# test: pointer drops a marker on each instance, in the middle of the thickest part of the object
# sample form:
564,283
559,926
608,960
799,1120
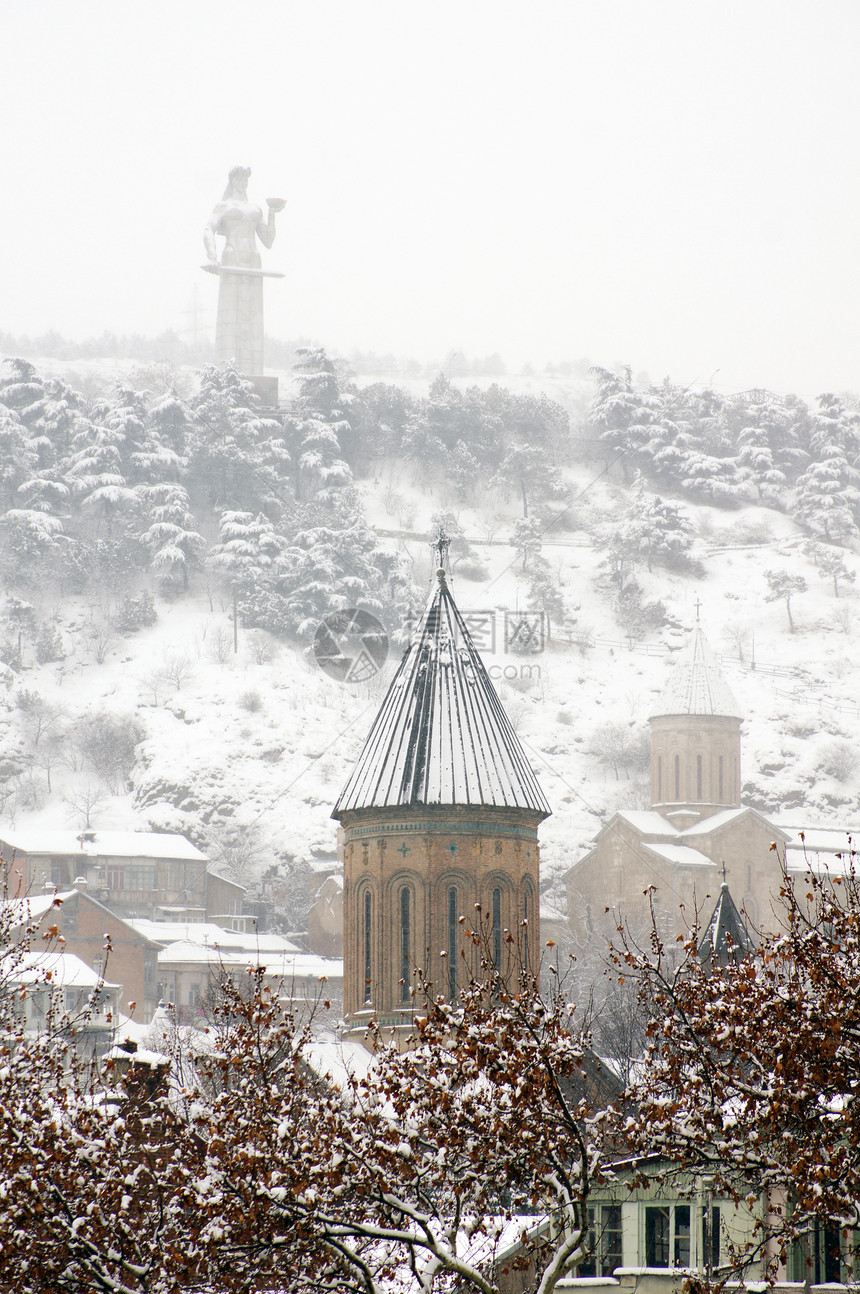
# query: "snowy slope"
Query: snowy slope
256,746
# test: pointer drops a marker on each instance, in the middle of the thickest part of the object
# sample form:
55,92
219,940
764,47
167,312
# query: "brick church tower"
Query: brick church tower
440,813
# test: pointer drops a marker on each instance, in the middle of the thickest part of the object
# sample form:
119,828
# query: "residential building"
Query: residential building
134,873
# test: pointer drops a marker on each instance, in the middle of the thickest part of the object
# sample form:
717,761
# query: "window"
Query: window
453,940
140,876
528,905
193,994
59,873
659,778
116,878
677,777
603,1245
497,928
699,777
720,775
667,1235
669,1239
367,946
710,1256
405,942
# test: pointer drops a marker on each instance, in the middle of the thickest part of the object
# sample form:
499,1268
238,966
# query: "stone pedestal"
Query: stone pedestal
265,387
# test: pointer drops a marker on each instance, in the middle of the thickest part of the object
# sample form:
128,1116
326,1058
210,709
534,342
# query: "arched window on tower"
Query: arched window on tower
677,777
528,917
699,793
659,778
366,993
405,942
453,940
497,928
720,793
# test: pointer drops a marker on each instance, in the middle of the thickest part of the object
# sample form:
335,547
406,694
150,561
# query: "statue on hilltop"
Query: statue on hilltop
239,330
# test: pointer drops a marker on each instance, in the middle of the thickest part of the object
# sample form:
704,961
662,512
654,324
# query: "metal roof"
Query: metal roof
696,685
441,736
725,937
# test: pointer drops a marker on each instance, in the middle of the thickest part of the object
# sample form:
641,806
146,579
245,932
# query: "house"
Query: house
191,957
104,942
56,990
134,873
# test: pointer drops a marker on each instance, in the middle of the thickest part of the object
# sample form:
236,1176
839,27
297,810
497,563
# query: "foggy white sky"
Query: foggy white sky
664,182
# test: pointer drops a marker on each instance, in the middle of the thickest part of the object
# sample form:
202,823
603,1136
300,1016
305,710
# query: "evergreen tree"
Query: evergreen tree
17,457
236,457
769,452
319,465
654,529
95,469
171,538
828,492
618,414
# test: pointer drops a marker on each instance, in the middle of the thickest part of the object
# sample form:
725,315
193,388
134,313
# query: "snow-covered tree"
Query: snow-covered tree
617,407
95,470
782,587
750,1076
237,459
170,537
319,465
828,492
17,457
526,541
654,529
529,470
247,549
251,1171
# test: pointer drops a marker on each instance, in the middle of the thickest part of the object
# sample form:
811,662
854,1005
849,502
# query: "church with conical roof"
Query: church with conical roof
696,825
439,822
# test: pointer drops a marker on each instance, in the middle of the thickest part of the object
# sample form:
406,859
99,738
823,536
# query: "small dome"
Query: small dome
696,684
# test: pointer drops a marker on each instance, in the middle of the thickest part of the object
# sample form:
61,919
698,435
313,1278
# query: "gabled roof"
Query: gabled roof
725,937
441,736
101,844
696,685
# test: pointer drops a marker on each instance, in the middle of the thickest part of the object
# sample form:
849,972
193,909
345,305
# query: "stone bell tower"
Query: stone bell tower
440,813
695,739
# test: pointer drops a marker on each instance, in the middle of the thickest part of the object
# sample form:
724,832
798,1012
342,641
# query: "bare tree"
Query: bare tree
85,799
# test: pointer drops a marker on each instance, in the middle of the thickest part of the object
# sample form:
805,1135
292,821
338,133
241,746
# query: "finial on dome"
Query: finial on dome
440,546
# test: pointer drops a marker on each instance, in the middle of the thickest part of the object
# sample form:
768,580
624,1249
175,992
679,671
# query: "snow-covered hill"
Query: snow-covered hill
245,753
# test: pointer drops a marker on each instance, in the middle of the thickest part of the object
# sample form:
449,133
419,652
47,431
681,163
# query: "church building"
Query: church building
439,832
695,826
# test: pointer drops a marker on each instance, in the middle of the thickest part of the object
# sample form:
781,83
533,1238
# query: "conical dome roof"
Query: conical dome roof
441,736
696,685
725,937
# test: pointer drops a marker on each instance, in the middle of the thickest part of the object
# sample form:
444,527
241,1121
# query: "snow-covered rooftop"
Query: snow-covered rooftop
280,965
648,822
64,970
441,735
33,908
681,855
696,685
101,844
715,821
208,933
